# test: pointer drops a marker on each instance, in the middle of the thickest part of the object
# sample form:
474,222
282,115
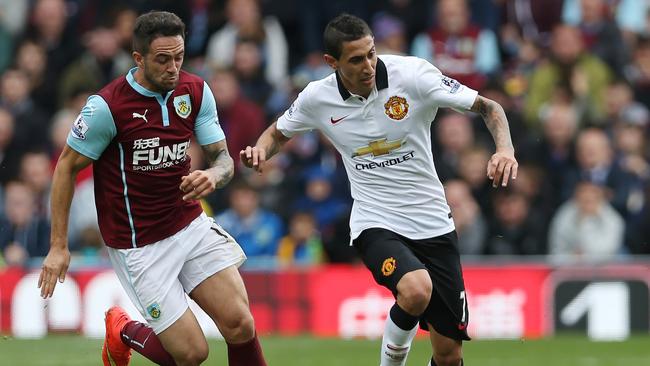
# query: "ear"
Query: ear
331,61
138,58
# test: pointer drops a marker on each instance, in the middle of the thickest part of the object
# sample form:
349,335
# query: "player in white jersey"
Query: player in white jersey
377,111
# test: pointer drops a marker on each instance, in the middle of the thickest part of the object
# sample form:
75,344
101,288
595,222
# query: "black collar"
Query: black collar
381,79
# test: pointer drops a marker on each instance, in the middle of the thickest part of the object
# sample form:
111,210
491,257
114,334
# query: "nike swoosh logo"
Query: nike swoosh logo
335,121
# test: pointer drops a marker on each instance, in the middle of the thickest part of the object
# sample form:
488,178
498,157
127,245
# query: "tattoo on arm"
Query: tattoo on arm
220,162
495,120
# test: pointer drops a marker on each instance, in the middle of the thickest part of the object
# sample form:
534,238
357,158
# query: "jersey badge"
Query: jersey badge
396,107
378,147
450,85
154,310
79,128
183,105
388,267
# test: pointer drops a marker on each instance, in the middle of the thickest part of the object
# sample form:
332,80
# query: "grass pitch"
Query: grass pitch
67,350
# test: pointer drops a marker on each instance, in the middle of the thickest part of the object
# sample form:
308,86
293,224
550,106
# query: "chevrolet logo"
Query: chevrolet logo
378,148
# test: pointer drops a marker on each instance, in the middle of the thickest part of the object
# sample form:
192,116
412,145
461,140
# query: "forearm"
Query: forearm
495,120
61,198
221,165
271,141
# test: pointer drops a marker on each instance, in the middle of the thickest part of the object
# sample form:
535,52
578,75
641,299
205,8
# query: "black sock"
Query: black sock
403,319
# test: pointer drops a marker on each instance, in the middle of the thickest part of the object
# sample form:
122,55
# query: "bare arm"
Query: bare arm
502,165
267,145
200,183
57,261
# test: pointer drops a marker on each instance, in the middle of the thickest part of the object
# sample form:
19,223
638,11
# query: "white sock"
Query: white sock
396,343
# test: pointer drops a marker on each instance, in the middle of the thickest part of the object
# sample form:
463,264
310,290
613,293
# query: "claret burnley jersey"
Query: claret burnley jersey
385,142
139,142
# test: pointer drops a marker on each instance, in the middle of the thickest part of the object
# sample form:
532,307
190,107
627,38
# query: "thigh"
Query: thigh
447,311
149,275
215,250
223,297
184,336
386,255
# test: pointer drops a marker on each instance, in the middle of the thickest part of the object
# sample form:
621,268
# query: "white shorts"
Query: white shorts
156,277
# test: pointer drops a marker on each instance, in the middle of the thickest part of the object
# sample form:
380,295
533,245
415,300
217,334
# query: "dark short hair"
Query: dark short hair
343,28
155,24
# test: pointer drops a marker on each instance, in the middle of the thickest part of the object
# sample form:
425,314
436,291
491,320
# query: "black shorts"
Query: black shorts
389,256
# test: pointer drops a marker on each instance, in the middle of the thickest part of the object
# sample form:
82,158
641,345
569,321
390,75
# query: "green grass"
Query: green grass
306,351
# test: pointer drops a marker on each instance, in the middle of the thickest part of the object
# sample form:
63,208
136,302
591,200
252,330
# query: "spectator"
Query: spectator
245,22
587,227
535,18
249,70
319,199
459,48
31,59
516,229
597,164
471,164
570,75
555,151
23,233
302,245
601,35
454,134
390,35
30,129
10,151
241,119
257,231
102,62
638,72
470,223
36,173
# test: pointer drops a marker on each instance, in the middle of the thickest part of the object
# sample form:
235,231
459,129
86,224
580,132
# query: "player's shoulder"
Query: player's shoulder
404,62
114,89
321,88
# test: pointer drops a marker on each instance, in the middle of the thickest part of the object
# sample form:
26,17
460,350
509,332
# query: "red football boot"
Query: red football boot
114,351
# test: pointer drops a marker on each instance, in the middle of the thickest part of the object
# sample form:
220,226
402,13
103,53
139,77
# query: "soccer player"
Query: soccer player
136,132
377,112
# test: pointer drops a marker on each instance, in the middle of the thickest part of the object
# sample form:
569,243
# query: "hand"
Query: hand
501,166
55,267
253,157
197,185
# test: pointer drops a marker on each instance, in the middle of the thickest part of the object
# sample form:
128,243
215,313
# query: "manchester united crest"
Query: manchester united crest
183,105
396,107
388,267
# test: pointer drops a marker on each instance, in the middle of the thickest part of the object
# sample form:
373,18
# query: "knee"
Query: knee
414,293
238,329
195,355
451,358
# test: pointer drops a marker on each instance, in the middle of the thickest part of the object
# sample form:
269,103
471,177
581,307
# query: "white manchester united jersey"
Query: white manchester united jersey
385,142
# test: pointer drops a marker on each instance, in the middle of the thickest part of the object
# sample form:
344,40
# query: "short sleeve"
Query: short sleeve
298,118
94,128
206,127
444,91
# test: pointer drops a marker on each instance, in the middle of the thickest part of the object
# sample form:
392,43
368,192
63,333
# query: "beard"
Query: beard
159,86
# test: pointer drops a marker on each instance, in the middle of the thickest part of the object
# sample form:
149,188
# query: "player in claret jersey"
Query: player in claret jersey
377,112
136,132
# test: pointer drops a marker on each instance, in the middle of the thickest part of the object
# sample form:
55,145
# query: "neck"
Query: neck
139,77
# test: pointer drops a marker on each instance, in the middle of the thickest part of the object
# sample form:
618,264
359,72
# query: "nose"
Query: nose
173,67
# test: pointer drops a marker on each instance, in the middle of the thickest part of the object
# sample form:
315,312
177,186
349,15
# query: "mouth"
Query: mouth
368,80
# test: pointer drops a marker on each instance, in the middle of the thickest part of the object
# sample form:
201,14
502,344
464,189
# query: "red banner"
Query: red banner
504,302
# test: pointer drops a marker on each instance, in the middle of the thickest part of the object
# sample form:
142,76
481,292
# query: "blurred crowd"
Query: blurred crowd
572,75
